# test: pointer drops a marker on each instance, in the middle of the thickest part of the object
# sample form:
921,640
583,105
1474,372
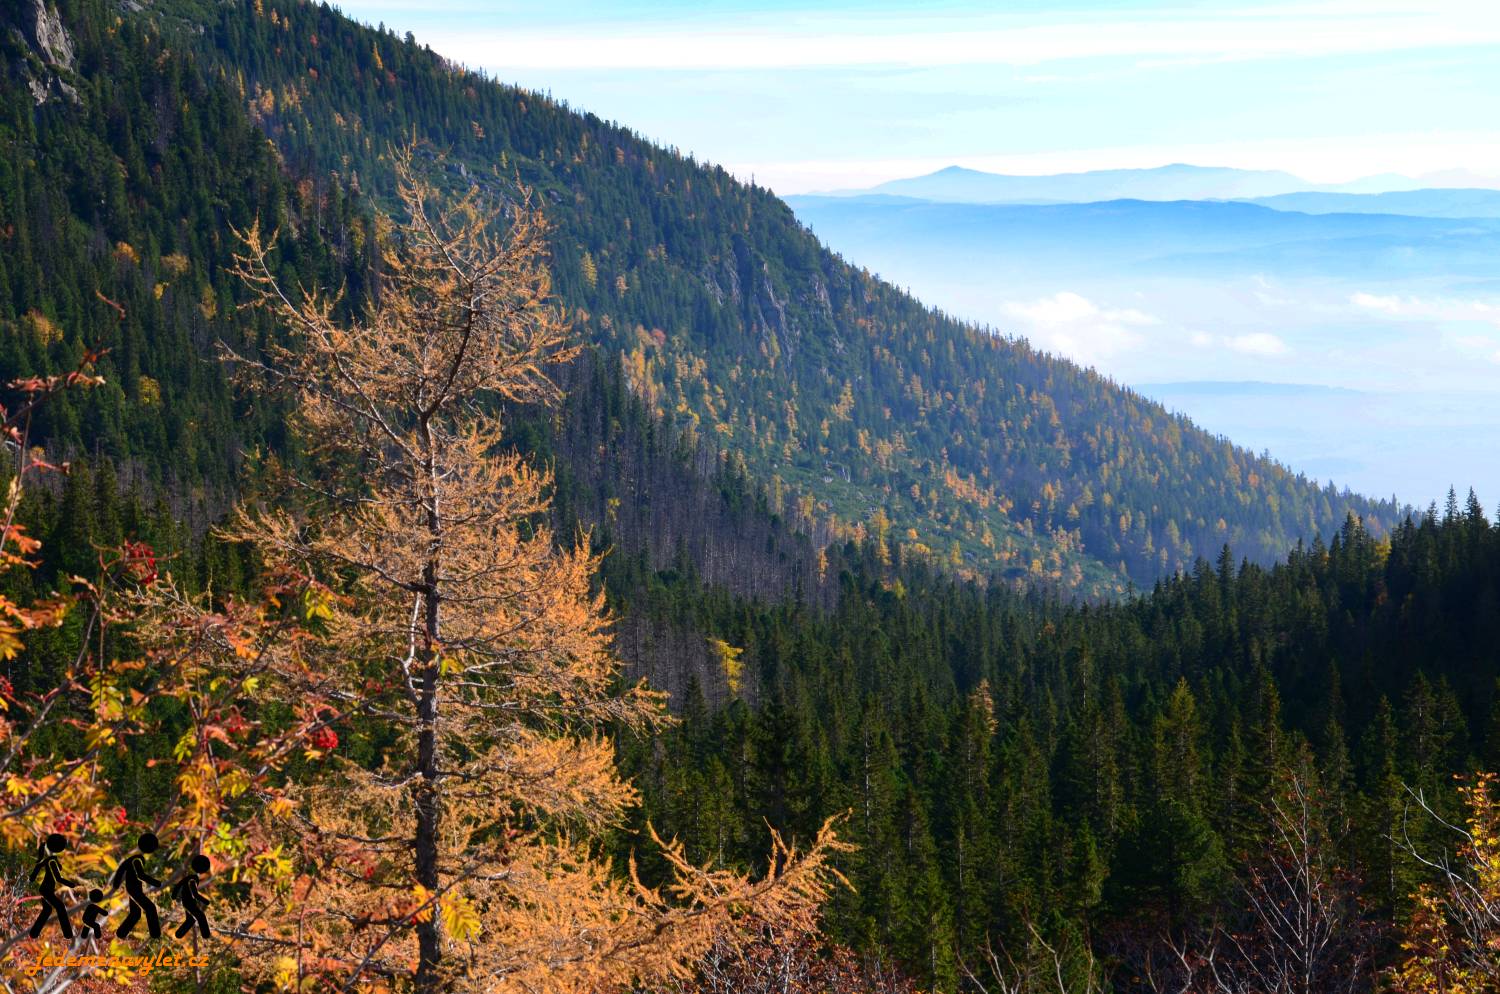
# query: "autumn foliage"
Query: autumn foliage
61,744
441,618
1452,945
410,599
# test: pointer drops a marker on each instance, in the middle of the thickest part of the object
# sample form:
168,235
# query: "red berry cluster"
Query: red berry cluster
324,739
140,563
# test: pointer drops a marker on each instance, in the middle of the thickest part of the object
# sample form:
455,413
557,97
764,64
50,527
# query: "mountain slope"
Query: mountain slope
849,398
859,410
129,167
124,171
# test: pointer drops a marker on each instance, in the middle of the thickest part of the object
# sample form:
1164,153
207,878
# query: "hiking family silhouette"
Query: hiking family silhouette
132,875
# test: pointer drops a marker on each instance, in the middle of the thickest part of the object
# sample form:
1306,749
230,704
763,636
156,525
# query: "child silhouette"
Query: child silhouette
193,902
132,873
93,913
49,868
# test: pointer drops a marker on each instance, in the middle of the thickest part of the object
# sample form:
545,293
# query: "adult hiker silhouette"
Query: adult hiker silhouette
192,902
49,868
131,873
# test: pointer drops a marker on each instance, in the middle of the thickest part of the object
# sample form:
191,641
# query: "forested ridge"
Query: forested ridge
843,532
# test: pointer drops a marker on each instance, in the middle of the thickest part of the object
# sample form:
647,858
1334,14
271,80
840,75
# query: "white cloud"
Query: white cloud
1373,302
1070,324
1475,318
1060,308
1256,343
1067,307
1261,343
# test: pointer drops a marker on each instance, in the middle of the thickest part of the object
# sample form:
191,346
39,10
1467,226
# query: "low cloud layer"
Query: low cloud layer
1070,324
1467,327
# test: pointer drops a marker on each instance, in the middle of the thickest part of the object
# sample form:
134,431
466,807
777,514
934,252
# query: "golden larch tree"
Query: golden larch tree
460,637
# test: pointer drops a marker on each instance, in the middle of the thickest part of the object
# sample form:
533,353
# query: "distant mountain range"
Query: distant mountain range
905,238
1243,388
1175,182
1416,203
1178,181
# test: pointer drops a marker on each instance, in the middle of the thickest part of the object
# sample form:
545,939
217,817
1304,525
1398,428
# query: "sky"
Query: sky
819,96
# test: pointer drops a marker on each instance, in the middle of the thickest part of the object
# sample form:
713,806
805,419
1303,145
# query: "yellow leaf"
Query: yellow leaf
317,604
424,910
460,920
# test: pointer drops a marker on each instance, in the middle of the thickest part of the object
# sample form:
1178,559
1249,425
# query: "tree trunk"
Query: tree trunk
428,801
429,935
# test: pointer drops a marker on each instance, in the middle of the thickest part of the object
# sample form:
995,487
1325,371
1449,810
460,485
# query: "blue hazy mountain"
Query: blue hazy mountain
1449,203
1242,388
904,238
1173,182
1179,181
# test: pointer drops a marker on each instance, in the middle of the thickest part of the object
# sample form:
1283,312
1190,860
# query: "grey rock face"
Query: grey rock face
52,46
49,36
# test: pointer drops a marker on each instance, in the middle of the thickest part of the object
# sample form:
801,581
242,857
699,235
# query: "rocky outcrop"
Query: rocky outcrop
49,36
772,313
46,65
